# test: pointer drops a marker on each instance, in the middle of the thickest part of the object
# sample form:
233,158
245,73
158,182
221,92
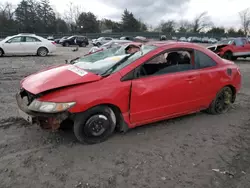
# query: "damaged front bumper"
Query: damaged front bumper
44,120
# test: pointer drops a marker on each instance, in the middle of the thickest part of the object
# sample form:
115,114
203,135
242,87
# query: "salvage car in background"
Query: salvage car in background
113,89
26,44
101,40
110,44
232,48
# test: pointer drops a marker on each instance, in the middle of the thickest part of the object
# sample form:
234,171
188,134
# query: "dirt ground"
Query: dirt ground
199,150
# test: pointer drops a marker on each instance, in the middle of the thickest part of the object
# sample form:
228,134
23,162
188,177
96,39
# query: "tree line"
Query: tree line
38,16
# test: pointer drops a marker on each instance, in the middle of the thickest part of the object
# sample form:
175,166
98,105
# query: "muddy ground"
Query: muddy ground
199,150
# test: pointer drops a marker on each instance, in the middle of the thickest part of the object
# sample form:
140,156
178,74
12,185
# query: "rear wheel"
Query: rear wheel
66,44
223,101
95,125
83,44
42,52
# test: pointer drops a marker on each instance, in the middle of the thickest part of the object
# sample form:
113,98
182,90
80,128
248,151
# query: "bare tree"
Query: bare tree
201,22
7,10
184,26
72,14
245,20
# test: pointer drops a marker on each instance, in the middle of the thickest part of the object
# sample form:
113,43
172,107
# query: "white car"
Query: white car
110,44
102,40
26,44
183,39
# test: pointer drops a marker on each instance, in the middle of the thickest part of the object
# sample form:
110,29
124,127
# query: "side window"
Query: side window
244,41
238,42
15,40
107,38
203,61
168,62
32,39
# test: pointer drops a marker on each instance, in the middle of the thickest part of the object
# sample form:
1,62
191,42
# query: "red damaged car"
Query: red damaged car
119,89
232,48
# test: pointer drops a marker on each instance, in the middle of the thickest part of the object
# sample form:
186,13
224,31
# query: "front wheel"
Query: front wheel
83,44
228,55
1,52
95,125
222,102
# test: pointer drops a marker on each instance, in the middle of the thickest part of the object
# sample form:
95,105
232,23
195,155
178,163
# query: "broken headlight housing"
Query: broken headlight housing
49,107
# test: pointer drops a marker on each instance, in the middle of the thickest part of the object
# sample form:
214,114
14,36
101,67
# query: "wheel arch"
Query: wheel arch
228,50
43,47
121,124
2,50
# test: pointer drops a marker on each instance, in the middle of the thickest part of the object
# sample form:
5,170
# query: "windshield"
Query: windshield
103,61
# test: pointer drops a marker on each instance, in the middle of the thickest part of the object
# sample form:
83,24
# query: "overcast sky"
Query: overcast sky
221,12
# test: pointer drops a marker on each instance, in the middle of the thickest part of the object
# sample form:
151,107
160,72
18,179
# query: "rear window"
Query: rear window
203,60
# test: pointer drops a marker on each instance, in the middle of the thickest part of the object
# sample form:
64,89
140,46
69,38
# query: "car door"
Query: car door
14,45
209,77
168,92
239,48
246,47
31,45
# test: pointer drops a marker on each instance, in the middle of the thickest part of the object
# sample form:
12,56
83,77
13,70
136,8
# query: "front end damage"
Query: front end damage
44,120
218,49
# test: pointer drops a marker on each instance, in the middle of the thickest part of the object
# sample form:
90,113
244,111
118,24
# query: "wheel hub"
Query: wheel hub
96,125
223,101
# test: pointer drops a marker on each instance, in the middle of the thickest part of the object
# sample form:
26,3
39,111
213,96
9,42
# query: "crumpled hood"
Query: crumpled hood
56,77
216,47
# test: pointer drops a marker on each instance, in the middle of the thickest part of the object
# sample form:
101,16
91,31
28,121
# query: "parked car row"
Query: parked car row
192,39
102,40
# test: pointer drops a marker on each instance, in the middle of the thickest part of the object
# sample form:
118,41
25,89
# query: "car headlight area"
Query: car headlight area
49,107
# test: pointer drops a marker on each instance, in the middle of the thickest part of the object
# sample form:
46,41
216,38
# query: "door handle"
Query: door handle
191,78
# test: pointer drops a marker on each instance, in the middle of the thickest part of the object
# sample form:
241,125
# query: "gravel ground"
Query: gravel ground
198,150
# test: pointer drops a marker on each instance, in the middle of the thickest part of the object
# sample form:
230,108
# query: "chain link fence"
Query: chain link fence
153,35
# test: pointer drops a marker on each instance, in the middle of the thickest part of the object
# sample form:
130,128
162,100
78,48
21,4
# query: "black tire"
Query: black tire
222,102
95,125
42,52
228,55
234,58
66,44
98,44
1,52
83,44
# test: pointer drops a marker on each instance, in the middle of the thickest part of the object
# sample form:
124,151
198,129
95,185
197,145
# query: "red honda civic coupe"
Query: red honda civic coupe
116,90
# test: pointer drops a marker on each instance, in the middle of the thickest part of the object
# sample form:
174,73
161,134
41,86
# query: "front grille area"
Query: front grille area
30,96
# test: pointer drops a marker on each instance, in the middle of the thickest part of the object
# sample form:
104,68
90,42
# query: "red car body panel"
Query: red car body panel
55,77
142,100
